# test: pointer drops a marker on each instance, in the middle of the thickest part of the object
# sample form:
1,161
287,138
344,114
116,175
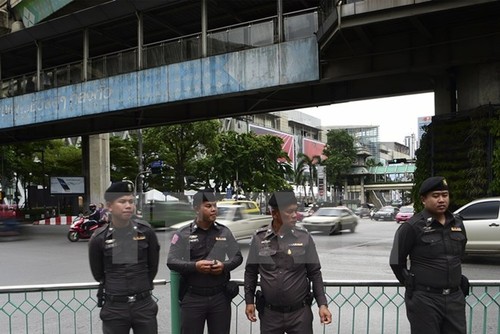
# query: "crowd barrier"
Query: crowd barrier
357,307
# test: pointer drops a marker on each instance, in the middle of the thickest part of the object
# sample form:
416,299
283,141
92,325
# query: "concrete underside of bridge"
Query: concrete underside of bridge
451,49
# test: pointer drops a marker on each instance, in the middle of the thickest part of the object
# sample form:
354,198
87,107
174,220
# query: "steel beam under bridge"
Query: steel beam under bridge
389,186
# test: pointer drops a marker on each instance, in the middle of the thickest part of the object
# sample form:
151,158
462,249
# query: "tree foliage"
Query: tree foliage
35,162
178,146
123,158
306,167
257,162
341,154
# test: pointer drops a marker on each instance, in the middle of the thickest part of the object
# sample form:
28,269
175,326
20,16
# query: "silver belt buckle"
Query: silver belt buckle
446,291
131,299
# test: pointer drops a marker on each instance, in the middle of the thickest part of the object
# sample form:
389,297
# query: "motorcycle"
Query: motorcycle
10,230
77,230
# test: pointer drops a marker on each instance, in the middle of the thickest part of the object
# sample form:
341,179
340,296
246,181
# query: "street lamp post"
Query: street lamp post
43,180
139,175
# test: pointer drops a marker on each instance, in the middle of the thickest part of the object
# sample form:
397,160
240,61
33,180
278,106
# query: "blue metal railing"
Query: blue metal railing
357,306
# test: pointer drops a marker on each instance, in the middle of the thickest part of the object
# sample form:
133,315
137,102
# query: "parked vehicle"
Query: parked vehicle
164,214
386,213
8,211
236,219
404,214
482,224
249,207
364,210
331,220
77,230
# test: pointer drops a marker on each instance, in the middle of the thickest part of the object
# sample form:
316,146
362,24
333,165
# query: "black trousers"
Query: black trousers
119,318
432,313
297,322
215,310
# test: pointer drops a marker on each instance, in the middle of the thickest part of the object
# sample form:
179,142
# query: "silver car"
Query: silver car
235,217
482,224
331,220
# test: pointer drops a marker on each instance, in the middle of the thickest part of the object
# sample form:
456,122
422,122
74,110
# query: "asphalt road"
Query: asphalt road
45,256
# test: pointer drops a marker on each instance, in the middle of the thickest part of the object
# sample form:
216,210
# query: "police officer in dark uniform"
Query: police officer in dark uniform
434,240
93,217
204,253
285,257
124,256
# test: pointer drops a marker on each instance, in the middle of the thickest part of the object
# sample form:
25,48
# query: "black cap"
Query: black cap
203,196
435,183
118,189
281,199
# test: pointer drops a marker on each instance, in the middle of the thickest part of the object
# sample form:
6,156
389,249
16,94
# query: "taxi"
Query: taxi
249,207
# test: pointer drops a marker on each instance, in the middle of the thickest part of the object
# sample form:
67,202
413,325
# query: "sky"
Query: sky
397,117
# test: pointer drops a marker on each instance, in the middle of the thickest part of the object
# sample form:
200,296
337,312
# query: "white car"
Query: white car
236,219
331,220
482,225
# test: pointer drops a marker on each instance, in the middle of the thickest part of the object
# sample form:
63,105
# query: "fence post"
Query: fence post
175,313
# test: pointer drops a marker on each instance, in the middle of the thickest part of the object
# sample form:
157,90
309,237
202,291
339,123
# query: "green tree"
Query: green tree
307,166
123,158
258,162
178,146
341,154
63,160
372,163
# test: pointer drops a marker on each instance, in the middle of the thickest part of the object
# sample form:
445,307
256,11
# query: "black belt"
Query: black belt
206,291
286,308
440,291
129,299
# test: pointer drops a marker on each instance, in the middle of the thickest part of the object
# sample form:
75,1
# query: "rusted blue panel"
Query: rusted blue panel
260,68
124,94
95,96
25,107
46,105
272,66
68,97
184,80
299,62
7,113
220,76
152,86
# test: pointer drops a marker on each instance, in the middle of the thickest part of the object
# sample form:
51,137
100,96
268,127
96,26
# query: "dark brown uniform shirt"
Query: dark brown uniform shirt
126,259
191,244
287,266
435,250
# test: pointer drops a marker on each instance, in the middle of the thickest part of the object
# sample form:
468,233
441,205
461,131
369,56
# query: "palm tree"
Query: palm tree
307,163
300,179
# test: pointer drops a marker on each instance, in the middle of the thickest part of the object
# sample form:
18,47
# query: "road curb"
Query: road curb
63,220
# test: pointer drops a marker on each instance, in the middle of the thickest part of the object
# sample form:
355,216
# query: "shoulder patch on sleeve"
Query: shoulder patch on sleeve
142,222
100,230
175,238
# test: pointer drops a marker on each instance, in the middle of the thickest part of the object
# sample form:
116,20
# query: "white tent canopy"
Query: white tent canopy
172,199
154,196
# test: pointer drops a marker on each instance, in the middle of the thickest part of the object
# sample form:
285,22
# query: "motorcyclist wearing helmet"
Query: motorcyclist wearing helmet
93,217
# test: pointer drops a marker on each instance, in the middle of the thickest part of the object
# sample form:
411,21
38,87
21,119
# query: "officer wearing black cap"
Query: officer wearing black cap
434,240
124,257
285,257
204,252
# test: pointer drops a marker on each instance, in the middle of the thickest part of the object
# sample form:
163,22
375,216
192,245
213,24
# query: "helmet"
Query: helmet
92,206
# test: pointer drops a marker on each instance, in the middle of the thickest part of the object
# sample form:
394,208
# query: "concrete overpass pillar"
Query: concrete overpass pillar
478,85
444,94
96,166
467,87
